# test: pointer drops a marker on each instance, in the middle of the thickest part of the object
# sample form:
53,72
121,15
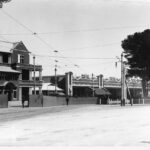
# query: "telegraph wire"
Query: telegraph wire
28,29
34,33
58,32
10,16
127,1
88,47
49,46
52,56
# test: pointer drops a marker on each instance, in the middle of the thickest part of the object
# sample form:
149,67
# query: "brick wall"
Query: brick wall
3,101
53,101
57,101
35,101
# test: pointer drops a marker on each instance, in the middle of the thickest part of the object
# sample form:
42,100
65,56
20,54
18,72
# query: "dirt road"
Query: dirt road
78,125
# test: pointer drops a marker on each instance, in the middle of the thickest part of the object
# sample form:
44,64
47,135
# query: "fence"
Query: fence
55,101
36,101
47,101
3,101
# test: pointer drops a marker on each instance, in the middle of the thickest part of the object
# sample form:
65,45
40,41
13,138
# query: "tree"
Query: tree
3,1
137,52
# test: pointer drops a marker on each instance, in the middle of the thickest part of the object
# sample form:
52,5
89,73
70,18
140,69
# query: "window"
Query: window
5,58
25,74
20,58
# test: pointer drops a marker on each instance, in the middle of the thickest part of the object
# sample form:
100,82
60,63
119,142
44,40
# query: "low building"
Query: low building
49,89
16,72
84,86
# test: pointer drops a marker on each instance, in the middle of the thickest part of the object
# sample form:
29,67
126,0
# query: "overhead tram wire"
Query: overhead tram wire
28,29
5,40
10,16
35,34
52,56
88,47
75,57
127,1
58,32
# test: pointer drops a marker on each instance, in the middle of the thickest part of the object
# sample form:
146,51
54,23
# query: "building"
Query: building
84,85
60,84
16,72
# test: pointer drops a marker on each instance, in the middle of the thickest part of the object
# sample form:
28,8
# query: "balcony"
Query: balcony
30,83
27,66
5,64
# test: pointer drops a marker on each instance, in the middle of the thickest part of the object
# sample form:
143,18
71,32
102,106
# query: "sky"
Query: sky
88,33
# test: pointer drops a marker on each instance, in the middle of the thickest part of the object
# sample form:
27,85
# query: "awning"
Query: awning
102,91
8,69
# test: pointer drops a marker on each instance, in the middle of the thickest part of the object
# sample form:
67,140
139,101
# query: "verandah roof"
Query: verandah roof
102,91
8,69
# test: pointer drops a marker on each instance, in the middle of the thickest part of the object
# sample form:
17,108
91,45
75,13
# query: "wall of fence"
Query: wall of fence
36,101
56,101
3,101
147,101
47,101
141,101
83,100
53,101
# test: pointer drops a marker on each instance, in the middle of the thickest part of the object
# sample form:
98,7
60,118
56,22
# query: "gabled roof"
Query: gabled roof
8,47
19,46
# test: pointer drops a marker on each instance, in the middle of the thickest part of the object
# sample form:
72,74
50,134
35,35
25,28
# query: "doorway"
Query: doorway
8,89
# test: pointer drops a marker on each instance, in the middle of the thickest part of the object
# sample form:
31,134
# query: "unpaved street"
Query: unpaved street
78,125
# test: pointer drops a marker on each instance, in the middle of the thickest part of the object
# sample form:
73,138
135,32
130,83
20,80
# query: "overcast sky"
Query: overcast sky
75,28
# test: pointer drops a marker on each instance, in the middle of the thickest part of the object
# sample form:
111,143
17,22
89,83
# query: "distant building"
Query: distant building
83,86
16,72
61,86
49,89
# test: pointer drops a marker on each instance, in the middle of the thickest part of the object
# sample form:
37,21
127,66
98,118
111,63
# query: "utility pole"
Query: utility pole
34,74
55,51
123,88
56,76
92,85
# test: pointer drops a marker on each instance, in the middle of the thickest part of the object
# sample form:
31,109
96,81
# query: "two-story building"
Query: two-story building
16,72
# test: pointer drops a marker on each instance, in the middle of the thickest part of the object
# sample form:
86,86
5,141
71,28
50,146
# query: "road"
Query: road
76,125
